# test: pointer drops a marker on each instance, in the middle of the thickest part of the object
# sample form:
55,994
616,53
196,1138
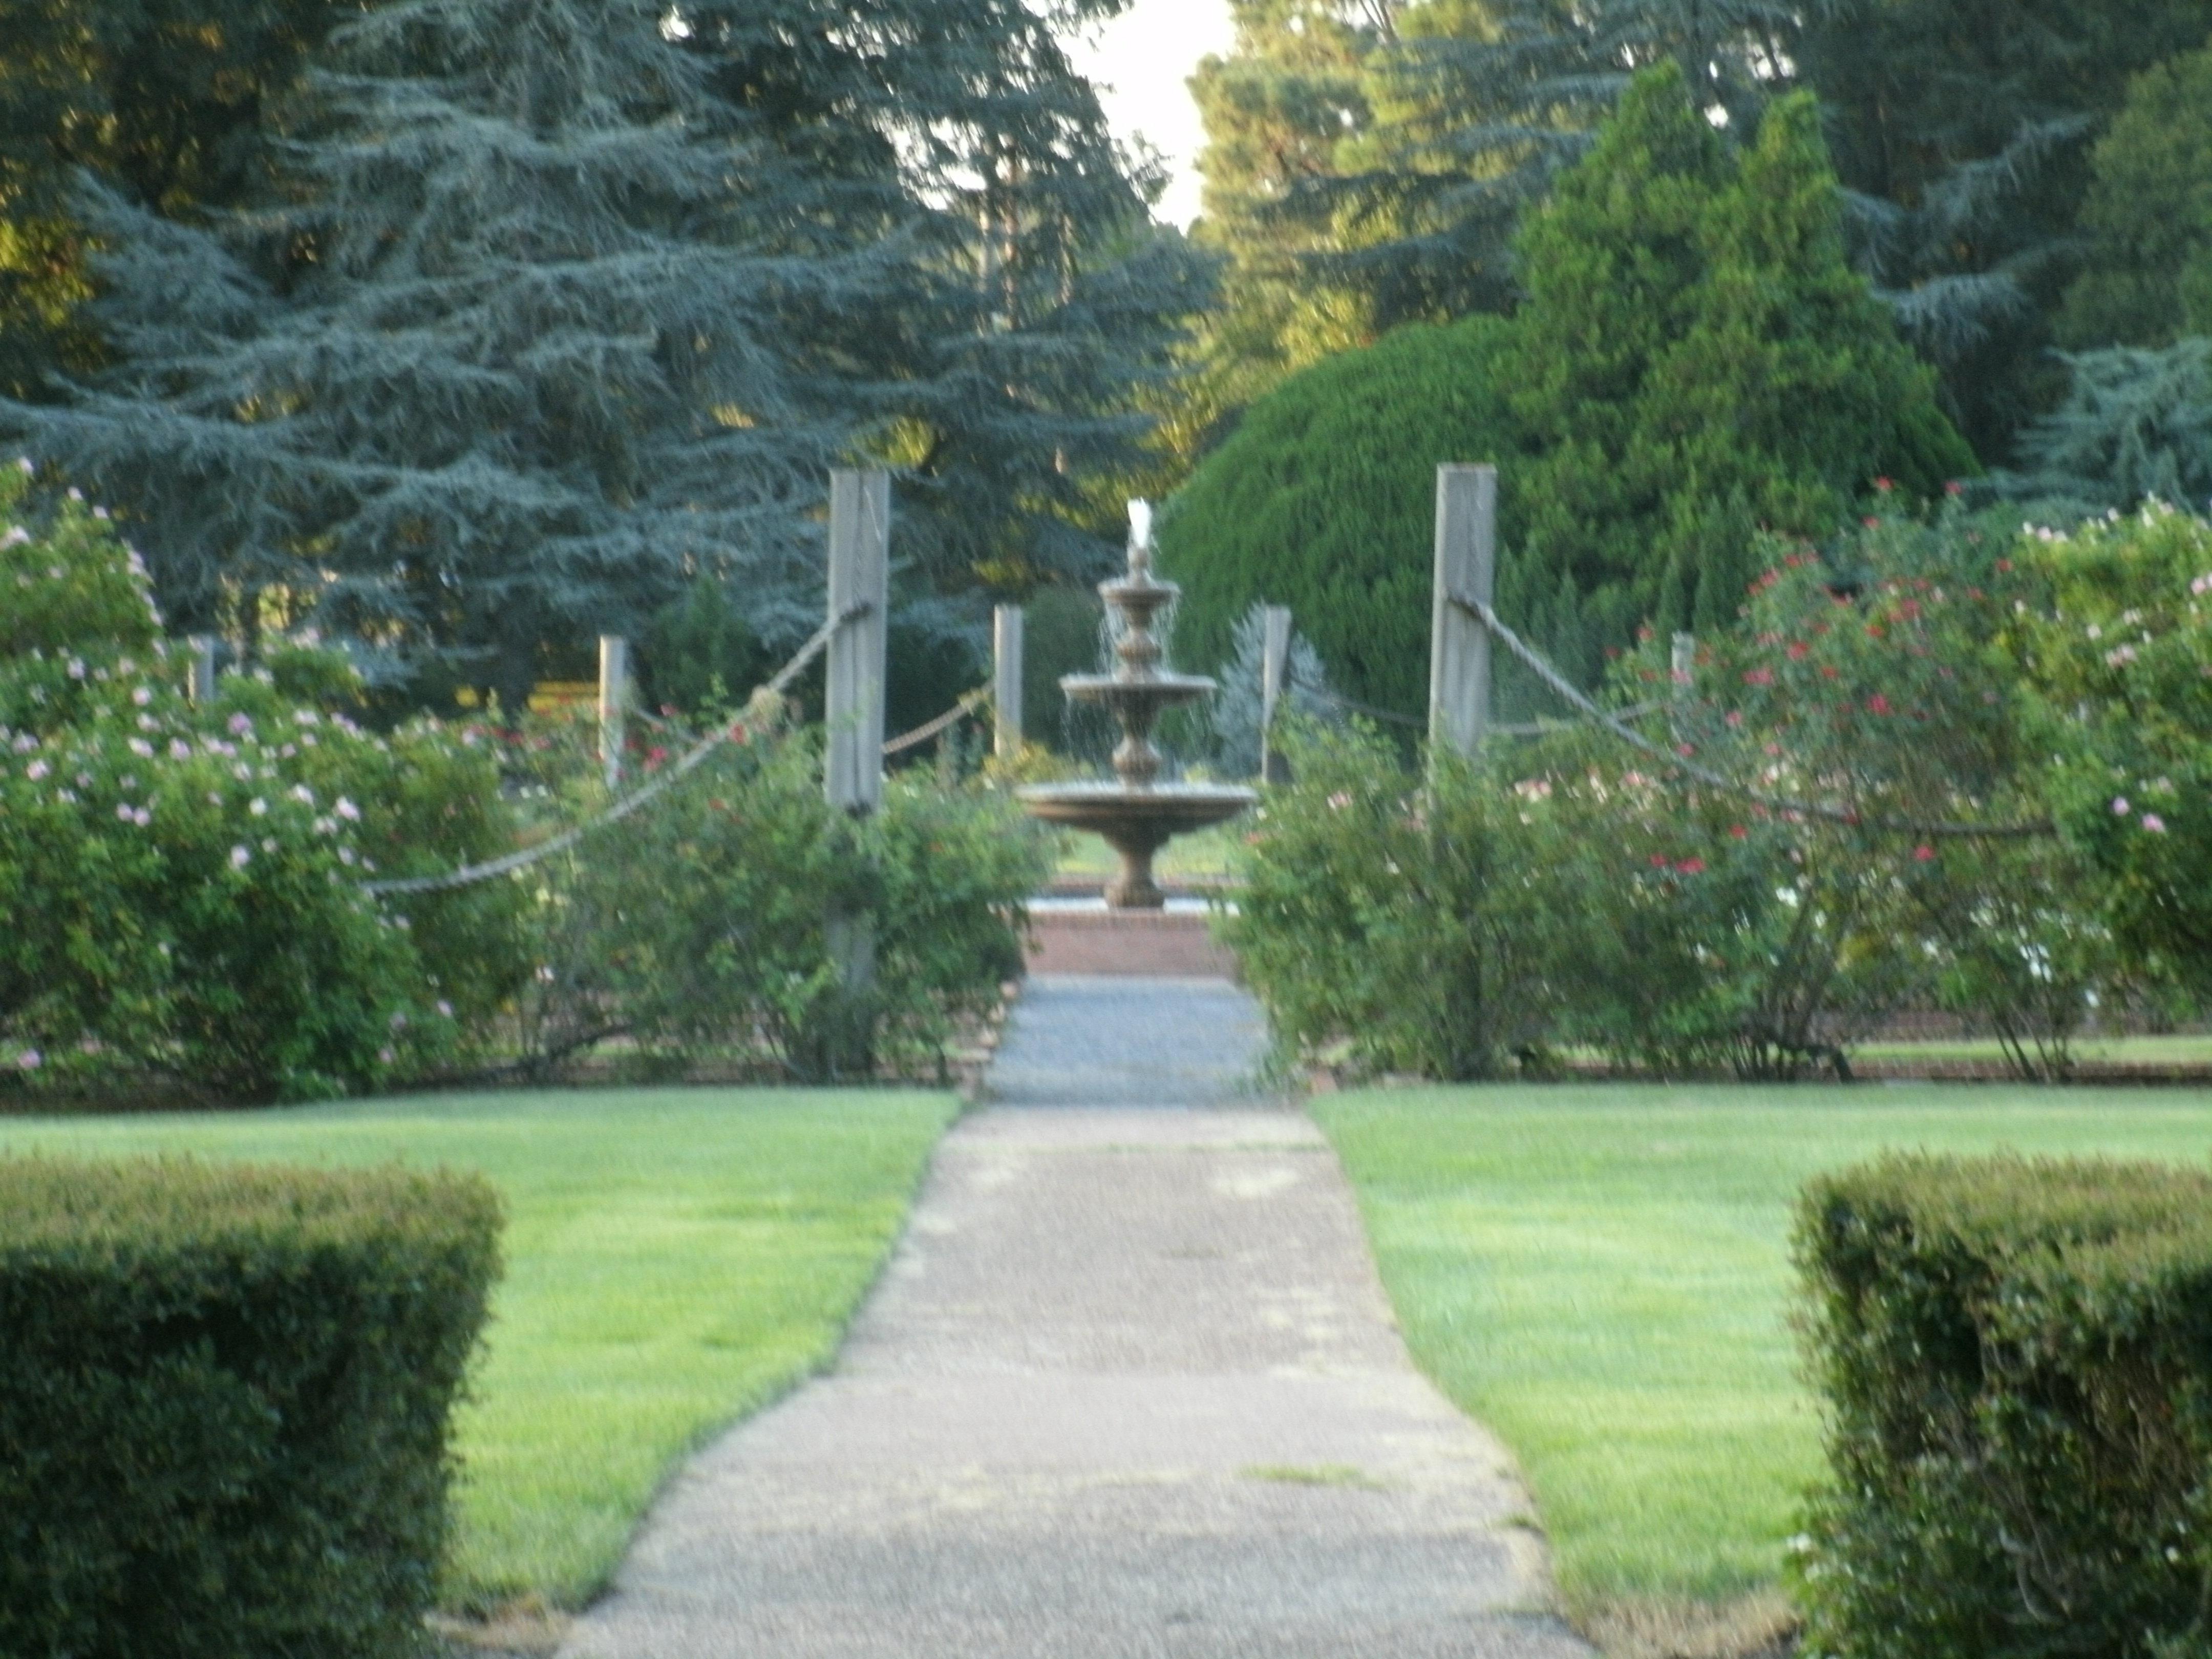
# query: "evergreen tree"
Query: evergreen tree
1958,129
1695,361
565,302
2148,278
1324,500
1277,112
2136,423
1961,129
164,101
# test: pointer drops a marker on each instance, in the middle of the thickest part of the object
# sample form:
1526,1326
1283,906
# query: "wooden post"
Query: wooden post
853,763
860,574
1684,665
202,689
614,679
1459,645
1007,681
1274,662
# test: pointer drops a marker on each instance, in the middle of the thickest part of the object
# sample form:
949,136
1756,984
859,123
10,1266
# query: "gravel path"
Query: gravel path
1129,1388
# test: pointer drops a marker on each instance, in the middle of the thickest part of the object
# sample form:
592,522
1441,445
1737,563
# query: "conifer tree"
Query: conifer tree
2136,423
561,302
164,101
1277,112
1695,361
2147,279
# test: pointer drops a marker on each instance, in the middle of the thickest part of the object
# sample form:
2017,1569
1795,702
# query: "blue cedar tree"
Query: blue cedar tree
556,305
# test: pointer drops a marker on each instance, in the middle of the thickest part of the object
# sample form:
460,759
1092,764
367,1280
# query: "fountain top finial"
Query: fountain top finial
1140,538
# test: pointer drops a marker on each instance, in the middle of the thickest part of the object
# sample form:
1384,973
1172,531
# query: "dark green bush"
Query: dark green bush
224,1395
1324,500
2017,1360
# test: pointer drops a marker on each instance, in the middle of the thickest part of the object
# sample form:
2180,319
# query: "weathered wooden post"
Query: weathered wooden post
1274,661
852,707
860,574
1007,681
201,687
614,680
1459,645
1684,665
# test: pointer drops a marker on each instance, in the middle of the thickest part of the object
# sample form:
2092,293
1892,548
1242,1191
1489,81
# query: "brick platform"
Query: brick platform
1177,943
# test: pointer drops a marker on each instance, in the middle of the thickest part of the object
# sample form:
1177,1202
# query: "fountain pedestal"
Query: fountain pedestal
1136,814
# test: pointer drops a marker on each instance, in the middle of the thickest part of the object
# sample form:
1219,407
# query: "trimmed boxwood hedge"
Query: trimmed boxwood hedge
2017,1360
224,1398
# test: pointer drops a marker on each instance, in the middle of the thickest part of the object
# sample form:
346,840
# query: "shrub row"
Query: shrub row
1944,765
700,929
224,1398
2017,1361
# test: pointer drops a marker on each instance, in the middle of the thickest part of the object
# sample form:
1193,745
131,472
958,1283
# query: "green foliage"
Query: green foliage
1323,500
1846,809
2014,1355
1695,363
2119,655
2149,215
167,101
702,928
185,880
1426,931
550,309
2136,425
1959,134
226,1393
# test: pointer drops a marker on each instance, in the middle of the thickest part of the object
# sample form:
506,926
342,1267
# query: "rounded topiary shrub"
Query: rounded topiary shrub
1324,500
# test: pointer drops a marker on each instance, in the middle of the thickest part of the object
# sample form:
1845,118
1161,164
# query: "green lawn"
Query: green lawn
675,1258
1601,1274
1204,855
2177,1050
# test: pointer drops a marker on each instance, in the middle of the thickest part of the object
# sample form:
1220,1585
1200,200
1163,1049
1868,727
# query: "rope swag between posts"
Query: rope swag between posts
469,874
1573,696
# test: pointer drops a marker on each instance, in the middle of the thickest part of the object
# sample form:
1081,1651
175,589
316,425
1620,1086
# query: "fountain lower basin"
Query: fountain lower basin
1136,822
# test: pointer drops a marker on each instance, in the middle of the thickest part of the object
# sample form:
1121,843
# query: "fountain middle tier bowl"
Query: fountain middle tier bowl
1112,809
1153,690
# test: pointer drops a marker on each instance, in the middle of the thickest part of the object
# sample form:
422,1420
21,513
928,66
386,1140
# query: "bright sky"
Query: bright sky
1140,63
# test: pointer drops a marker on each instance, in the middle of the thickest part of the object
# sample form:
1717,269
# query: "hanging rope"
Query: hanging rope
928,729
1572,695
469,874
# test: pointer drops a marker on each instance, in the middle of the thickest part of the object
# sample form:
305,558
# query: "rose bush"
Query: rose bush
1933,767
2117,645
700,929
185,883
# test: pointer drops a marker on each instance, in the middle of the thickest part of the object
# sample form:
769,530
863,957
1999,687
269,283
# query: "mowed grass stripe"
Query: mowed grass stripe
676,1258
1601,1275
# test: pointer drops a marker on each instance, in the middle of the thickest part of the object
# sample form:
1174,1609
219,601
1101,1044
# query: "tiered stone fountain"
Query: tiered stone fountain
1135,812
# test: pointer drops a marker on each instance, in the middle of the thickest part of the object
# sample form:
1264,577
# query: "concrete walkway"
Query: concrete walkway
1128,1389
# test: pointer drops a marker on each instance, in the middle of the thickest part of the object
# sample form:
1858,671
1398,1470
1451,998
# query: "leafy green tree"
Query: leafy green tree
1959,130
1695,363
556,306
2149,210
